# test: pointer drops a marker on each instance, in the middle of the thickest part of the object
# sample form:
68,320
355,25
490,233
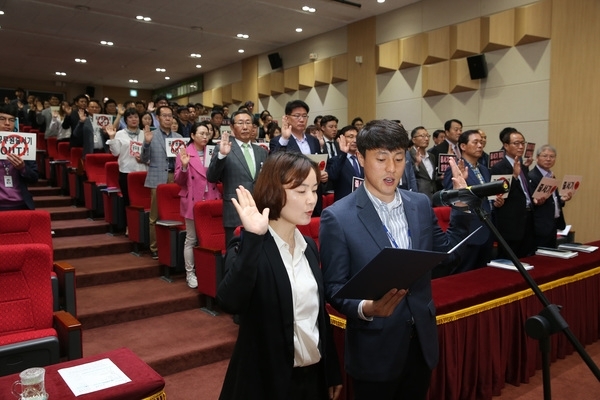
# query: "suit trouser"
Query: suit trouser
154,214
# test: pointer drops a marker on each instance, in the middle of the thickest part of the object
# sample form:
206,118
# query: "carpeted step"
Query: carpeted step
133,300
66,212
187,385
89,246
170,343
51,201
101,270
78,227
44,191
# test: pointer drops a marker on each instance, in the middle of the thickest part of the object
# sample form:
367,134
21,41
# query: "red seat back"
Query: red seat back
64,151
94,166
208,221
51,147
139,195
312,229
167,197
75,156
327,200
23,227
111,170
26,300
443,216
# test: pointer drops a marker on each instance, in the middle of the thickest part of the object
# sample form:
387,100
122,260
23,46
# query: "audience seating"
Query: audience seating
138,213
33,226
76,175
41,152
208,255
312,229
96,181
328,200
443,216
170,229
113,202
59,166
31,334
51,154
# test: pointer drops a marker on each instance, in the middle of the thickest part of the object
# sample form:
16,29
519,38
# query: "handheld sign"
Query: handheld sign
506,178
18,143
529,150
546,187
444,162
495,157
208,153
135,148
570,184
173,145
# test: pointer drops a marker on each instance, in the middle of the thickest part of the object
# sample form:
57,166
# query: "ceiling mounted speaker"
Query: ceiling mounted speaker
275,60
477,66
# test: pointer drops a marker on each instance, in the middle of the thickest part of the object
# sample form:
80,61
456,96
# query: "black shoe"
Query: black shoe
154,255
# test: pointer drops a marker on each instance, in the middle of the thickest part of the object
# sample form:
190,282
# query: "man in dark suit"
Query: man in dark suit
478,249
514,219
547,214
453,129
423,162
160,167
235,162
293,138
391,342
345,166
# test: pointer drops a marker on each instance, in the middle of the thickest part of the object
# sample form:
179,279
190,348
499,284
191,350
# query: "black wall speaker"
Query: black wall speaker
275,60
90,91
477,66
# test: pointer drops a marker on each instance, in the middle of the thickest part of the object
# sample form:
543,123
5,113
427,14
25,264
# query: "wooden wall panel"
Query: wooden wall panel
207,98
217,97
237,93
388,56
362,84
574,99
291,79
437,45
264,89
411,52
323,72
498,31
436,79
276,82
460,79
250,79
339,68
306,76
465,38
226,95
533,22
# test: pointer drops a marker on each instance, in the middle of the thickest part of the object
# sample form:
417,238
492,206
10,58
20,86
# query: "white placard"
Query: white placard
506,178
173,145
135,148
92,377
570,184
545,189
208,153
20,143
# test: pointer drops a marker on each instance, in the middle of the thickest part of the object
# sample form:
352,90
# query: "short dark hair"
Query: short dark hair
158,110
249,103
413,133
328,118
281,169
110,101
195,128
272,127
504,135
345,129
382,134
9,109
130,111
238,112
296,104
159,98
437,132
215,111
264,115
448,124
464,137
355,120
80,96
317,119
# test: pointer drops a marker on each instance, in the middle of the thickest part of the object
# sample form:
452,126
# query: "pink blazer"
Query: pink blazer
194,186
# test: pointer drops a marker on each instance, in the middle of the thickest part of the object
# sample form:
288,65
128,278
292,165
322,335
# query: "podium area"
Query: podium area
146,384
481,318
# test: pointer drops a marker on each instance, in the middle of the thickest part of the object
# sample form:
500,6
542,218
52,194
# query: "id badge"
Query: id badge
8,182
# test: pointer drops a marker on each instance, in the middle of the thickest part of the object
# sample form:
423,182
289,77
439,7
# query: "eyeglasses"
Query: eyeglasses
518,144
11,120
299,116
242,123
423,136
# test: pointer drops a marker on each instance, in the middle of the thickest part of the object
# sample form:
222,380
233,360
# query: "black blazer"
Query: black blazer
256,286
341,172
543,217
313,143
425,184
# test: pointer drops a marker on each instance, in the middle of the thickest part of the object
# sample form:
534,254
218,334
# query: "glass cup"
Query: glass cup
32,385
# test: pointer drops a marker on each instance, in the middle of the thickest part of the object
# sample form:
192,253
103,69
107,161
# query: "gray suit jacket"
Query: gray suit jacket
155,155
233,171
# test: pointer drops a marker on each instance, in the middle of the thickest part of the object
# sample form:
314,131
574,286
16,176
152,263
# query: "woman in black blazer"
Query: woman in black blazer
285,346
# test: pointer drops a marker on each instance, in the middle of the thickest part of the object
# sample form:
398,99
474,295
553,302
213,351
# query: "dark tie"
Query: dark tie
523,180
355,165
331,149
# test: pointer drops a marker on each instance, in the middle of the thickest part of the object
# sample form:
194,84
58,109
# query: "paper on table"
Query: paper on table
92,377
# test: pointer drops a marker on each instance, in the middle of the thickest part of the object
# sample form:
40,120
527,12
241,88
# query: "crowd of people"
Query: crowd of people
382,179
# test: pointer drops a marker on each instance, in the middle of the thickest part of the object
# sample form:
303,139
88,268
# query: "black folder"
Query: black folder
392,268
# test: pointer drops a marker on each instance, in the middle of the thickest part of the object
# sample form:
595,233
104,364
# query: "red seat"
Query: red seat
138,212
31,334
76,174
61,166
33,226
170,229
41,156
96,180
312,229
112,199
443,216
327,200
208,255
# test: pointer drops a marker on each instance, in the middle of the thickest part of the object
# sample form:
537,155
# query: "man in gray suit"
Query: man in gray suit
160,167
234,164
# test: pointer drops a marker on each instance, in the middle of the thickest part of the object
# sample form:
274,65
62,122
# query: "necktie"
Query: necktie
523,180
331,149
456,150
248,158
355,165
554,197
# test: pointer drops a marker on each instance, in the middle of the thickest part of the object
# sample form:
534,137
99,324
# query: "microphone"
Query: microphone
469,194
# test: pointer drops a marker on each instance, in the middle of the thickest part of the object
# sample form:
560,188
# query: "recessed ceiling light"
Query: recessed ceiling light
60,73
198,66
81,60
167,77
381,1
133,81
105,43
240,50
309,9
142,18
298,30
243,36
1,12
161,70
195,55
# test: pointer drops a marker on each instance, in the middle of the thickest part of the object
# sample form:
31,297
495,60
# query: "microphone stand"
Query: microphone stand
549,321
